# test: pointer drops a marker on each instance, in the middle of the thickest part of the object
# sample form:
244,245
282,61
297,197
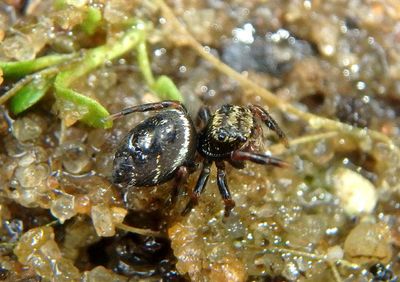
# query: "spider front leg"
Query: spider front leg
269,122
199,188
203,116
147,107
257,158
223,188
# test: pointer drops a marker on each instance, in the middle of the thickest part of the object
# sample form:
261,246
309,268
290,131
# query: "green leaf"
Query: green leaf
88,109
23,68
81,107
92,20
30,94
166,89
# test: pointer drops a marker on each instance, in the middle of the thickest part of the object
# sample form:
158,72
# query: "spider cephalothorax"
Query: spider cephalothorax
229,135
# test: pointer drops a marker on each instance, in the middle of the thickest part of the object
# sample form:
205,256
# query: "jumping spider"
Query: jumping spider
164,146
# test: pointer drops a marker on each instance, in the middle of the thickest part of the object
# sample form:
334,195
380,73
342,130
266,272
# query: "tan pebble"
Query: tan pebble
230,270
369,243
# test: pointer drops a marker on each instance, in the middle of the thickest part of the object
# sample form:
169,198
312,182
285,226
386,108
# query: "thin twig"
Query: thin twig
313,256
140,231
63,132
335,272
51,223
312,138
280,148
272,100
296,252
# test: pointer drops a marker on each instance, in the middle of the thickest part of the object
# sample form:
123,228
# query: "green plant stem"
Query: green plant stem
92,59
23,68
24,81
163,86
144,63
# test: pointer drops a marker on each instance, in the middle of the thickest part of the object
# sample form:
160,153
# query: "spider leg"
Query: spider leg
203,116
237,164
269,122
223,188
181,176
147,107
199,188
258,158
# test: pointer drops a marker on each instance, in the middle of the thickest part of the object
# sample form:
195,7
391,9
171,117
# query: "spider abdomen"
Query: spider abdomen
152,151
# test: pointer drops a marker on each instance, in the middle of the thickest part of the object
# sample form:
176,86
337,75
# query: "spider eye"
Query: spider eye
221,135
242,138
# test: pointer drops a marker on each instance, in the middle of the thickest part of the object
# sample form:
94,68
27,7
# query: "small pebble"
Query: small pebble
356,193
369,242
27,129
103,220
63,207
32,175
38,249
18,47
335,253
75,158
101,274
